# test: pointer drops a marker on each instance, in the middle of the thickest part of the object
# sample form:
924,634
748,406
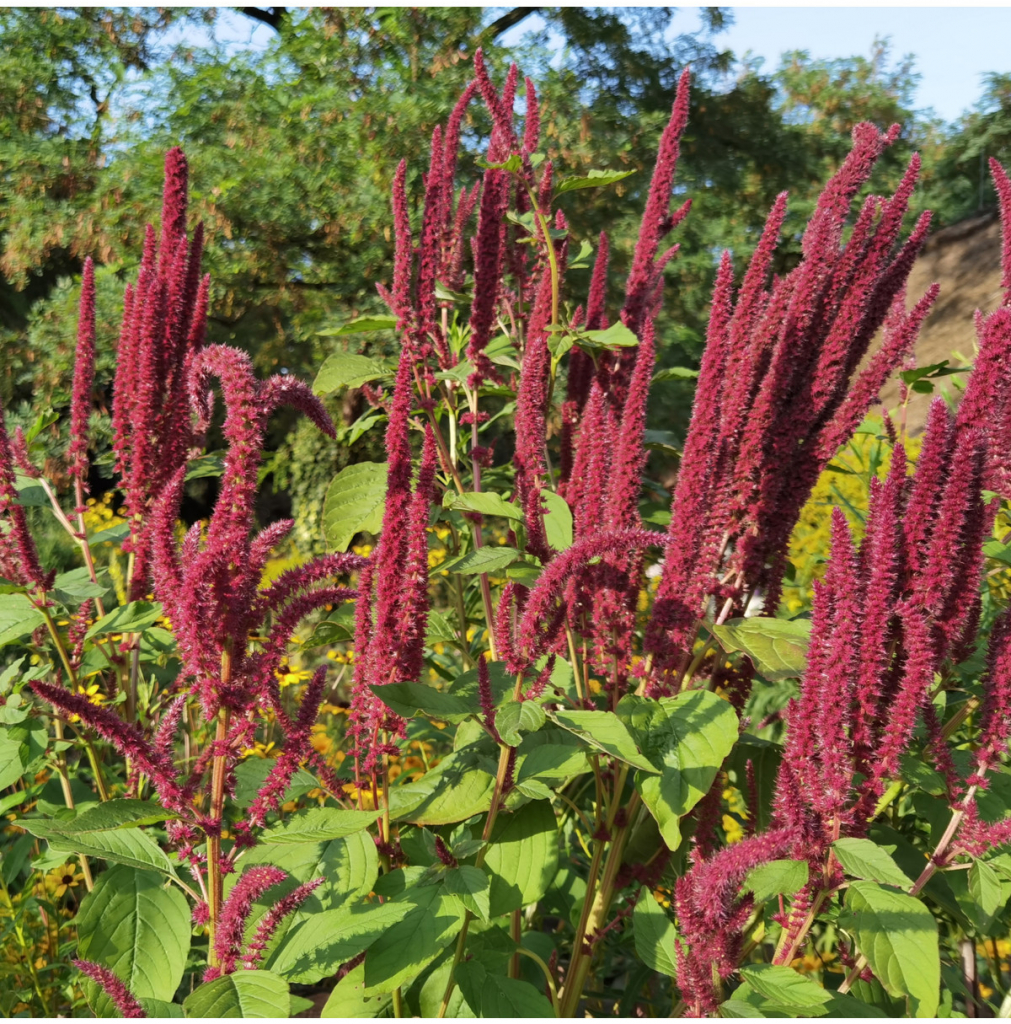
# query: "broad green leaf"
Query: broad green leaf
205,466
522,856
785,987
501,998
346,370
138,928
434,988
111,535
95,833
615,336
674,373
11,764
689,736
557,521
355,501
605,731
406,948
349,867
488,559
550,754
116,814
18,618
350,998
453,791
361,325
471,886
251,774
778,647
30,492
777,878
242,994
524,572
159,1008
987,892
518,717
592,179
439,630
410,699
128,618
898,935
75,586
317,824
487,503
654,934
316,947
863,858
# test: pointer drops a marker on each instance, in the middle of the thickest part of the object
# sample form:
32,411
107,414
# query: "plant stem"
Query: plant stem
214,878
489,824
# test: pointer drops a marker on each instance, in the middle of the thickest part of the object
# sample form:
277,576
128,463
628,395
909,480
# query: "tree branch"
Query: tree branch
271,16
506,22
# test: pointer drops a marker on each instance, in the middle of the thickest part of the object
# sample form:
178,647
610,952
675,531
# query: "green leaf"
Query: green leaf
491,995
487,503
355,501
439,630
654,934
406,948
674,373
688,737
112,535
138,928
557,521
346,370
211,465
987,892
361,325
551,754
18,618
778,647
76,586
785,987
109,831
592,179
316,947
159,1008
31,493
941,369
471,885
128,618
518,717
410,699
863,858
350,998
524,572
487,559
115,814
615,336
242,994
605,731
318,824
456,789
898,935
777,878
522,857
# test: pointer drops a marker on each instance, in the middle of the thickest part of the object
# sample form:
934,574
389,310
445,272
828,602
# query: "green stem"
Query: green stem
489,824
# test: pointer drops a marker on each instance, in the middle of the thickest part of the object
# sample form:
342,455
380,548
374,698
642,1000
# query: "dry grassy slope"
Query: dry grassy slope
965,260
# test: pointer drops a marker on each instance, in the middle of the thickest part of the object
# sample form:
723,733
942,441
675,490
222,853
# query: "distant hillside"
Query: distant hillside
965,260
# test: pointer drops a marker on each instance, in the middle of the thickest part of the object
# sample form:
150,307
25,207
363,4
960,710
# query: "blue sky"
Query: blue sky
953,46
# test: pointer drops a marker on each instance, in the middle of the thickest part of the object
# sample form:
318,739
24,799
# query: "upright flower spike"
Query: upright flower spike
19,557
656,218
403,253
1003,188
84,375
